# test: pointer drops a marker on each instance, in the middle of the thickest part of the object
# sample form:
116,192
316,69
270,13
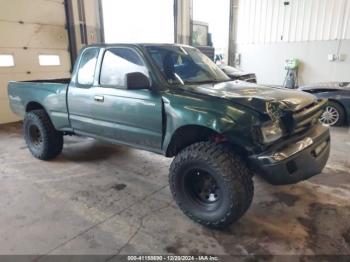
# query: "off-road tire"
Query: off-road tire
247,177
231,175
49,142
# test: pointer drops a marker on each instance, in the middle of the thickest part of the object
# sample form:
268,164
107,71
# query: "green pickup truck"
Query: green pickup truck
173,100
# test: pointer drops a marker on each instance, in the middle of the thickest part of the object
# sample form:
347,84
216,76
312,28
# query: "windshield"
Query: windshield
185,65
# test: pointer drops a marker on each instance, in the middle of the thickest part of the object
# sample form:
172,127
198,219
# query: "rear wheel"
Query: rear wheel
211,184
333,114
43,140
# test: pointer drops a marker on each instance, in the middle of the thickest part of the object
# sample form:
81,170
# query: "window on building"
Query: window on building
6,60
49,60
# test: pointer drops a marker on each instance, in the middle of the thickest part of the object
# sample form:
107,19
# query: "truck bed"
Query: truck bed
48,94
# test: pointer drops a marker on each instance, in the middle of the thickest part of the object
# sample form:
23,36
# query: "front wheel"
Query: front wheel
333,114
211,184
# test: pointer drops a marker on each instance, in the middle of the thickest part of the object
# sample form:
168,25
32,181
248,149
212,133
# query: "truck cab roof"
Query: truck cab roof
136,45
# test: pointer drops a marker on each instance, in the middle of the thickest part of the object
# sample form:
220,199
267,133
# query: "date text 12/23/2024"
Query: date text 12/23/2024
173,258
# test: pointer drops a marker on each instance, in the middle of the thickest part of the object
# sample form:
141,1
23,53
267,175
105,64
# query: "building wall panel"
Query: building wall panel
27,61
34,11
28,29
33,36
270,31
345,31
267,61
265,21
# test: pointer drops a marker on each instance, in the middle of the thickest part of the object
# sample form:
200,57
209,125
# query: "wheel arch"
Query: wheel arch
189,134
33,105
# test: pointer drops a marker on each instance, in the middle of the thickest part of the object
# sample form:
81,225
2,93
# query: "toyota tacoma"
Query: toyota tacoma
173,100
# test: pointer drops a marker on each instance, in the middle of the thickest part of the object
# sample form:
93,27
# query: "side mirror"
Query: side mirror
137,80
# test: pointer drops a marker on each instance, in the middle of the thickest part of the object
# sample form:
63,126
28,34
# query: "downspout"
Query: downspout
232,32
101,20
72,47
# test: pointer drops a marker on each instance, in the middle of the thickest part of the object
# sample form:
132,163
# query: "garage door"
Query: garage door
33,44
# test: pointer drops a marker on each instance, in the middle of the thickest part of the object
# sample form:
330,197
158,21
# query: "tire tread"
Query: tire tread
53,139
230,166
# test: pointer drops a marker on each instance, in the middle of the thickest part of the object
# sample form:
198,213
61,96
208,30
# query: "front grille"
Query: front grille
308,116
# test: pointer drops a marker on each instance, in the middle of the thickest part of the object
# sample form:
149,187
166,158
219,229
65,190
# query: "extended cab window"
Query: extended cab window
87,67
118,62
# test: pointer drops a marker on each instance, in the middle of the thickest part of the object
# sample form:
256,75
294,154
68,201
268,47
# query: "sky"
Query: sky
217,14
152,21
131,21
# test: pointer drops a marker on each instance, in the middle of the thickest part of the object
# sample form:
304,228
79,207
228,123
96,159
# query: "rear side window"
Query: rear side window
118,62
87,67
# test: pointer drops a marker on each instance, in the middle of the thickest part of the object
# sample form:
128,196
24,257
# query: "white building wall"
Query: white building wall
269,32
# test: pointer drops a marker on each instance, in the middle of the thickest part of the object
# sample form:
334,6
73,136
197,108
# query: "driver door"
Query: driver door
132,117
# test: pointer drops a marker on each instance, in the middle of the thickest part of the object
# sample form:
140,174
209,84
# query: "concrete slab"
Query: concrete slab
101,199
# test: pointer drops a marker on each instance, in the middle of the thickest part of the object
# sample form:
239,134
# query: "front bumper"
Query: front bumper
295,159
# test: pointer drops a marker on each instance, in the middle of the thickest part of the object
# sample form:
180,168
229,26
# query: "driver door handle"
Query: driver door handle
99,98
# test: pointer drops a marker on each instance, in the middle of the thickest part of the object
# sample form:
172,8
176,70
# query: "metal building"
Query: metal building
315,31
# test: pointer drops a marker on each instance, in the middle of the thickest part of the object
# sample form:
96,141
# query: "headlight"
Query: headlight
271,132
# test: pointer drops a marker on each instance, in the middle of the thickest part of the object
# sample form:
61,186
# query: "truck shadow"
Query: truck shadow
87,150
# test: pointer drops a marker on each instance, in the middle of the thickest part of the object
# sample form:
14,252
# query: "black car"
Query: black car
337,111
237,74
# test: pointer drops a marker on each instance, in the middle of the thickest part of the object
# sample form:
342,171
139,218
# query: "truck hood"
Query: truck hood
257,97
232,71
